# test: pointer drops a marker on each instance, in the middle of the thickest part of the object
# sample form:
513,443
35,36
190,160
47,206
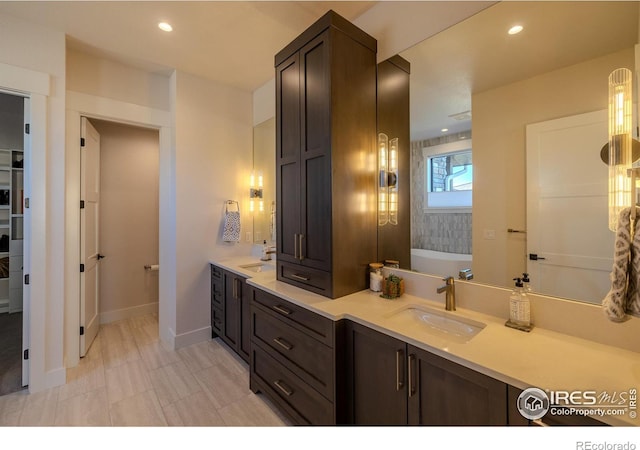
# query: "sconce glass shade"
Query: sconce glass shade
620,143
392,181
383,187
387,180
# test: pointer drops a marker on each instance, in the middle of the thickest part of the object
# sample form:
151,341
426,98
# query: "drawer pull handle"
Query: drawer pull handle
282,310
282,343
300,277
280,385
412,385
399,381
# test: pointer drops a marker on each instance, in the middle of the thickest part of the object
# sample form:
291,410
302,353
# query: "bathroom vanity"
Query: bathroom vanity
362,359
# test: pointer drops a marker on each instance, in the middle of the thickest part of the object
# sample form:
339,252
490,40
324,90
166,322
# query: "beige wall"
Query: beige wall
129,158
102,77
213,154
499,123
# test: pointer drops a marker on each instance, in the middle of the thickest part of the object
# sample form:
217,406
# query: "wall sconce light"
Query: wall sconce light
255,192
620,143
387,180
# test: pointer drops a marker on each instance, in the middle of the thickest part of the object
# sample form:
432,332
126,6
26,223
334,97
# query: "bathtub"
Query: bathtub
439,263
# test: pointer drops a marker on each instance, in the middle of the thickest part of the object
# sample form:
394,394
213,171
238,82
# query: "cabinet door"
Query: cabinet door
244,347
315,240
445,393
376,385
231,310
288,158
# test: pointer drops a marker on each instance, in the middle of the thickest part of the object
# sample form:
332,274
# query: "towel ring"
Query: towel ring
231,202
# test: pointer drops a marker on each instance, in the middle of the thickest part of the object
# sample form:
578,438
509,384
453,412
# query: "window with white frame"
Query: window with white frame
449,176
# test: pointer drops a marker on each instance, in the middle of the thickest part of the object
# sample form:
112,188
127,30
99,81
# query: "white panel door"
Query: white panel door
567,208
89,235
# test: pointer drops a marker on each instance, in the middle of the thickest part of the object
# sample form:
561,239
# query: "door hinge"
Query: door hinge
81,331
26,279
26,131
25,354
81,267
26,202
81,142
81,204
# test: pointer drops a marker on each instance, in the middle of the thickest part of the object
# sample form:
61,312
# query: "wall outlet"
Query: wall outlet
259,236
489,234
248,236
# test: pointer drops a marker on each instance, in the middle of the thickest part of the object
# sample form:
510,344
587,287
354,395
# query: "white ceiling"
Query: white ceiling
477,54
232,42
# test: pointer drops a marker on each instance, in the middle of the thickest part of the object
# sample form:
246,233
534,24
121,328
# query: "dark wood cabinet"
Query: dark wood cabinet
293,360
442,392
393,383
325,134
376,377
217,301
230,312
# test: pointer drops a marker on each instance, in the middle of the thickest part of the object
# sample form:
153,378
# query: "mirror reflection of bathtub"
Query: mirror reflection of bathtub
439,263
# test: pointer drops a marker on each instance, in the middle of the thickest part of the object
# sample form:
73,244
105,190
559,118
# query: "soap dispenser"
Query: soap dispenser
526,283
519,308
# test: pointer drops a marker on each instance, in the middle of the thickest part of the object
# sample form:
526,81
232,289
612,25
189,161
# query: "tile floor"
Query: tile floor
129,379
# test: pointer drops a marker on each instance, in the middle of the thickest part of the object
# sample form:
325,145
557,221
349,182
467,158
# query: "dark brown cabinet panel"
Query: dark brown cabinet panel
442,392
325,126
392,383
294,361
217,300
230,311
376,374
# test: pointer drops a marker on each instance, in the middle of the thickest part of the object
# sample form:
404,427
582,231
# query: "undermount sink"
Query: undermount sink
443,324
258,267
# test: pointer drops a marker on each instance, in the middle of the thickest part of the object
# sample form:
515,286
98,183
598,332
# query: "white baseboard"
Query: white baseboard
192,337
127,313
56,377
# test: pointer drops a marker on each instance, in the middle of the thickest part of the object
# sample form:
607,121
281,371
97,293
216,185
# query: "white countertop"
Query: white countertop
540,358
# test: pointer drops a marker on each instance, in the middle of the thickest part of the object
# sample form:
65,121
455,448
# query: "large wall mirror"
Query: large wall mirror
532,105
264,164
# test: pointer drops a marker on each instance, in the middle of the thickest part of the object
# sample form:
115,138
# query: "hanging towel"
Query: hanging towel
624,297
231,231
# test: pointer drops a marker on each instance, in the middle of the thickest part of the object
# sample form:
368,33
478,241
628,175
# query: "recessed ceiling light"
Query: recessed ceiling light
516,29
164,26
444,130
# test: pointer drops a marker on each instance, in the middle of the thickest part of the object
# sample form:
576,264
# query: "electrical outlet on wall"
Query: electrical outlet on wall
248,236
258,236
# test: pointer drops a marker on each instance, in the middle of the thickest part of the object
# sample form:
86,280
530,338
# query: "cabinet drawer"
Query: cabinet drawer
313,280
216,320
311,359
304,320
284,384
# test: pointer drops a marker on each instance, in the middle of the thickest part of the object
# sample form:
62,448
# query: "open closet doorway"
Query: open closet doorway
126,211
14,320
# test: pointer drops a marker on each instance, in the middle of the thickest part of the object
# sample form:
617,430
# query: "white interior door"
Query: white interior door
89,235
26,249
567,208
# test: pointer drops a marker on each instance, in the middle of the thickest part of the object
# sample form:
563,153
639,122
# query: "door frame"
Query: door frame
89,106
34,85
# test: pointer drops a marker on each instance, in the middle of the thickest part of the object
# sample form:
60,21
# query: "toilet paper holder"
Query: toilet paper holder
151,267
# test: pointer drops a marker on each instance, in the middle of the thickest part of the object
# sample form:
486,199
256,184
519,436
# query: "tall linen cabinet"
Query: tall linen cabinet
326,158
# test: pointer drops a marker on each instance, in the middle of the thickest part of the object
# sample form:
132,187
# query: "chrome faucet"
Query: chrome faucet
450,293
